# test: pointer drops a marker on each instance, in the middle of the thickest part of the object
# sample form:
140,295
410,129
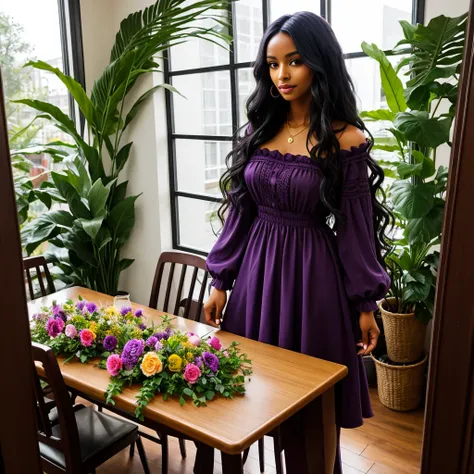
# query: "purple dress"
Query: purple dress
295,283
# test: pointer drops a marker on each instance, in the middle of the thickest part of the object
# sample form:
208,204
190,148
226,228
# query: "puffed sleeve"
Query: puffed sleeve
225,258
365,279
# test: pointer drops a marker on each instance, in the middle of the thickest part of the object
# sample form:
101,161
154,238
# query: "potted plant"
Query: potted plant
87,234
417,194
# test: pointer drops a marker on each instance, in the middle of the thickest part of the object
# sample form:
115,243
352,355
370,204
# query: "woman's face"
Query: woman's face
290,75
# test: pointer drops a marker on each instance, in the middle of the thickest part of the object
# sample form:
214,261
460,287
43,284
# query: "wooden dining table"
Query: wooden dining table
289,390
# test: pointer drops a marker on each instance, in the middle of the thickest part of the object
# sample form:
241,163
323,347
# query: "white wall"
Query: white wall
147,169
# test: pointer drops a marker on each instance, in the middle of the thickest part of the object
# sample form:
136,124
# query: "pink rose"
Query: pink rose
114,364
191,373
194,340
226,354
215,343
71,331
87,337
60,324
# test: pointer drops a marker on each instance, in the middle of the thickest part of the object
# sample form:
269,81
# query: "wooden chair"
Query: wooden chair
278,449
192,307
40,267
84,438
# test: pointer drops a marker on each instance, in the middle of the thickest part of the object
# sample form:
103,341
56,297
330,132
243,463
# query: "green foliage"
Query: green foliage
87,240
418,192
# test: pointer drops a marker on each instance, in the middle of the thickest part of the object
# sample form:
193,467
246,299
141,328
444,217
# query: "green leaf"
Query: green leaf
92,226
380,114
122,217
122,157
119,193
138,104
97,198
425,229
428,165
412,200
74,88
405,170
188,392
389,148
391,83
417,285
70,194
423,130
52,113
210,394
125,263
182,401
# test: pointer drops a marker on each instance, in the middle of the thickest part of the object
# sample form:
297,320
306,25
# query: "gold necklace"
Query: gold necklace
291,138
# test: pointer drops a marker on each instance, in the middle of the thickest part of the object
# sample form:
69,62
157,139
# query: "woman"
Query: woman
299,282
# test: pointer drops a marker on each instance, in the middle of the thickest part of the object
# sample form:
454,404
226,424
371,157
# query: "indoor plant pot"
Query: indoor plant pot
405,335
400,387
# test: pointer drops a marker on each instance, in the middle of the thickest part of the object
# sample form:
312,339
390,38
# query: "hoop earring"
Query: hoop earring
274,96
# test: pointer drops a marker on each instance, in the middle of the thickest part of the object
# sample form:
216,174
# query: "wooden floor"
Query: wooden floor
389,443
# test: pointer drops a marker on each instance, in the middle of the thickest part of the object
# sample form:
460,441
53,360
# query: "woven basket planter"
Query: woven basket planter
404,334
400,387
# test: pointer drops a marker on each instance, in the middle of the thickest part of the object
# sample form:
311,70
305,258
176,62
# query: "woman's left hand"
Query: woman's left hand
370,333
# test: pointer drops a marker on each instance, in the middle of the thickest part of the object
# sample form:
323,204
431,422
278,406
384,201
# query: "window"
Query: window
217,83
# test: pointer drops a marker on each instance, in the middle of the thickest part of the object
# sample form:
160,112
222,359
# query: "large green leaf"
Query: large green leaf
412,200
92,226
97,198
379,114
122,218
391,83
74,88
122,157
428,165
426,228
52,113
417,285
138,104
420,128
441,179
406,170
71,195
437,50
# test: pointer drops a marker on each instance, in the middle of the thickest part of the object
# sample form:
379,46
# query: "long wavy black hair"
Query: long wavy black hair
333,99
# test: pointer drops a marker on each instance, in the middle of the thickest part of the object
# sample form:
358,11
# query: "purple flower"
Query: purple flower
71,331
161,335
132,352
125,310
58,312
169,331
142,326
80,305
158,346
91,307
53,326
211,361
138,313
198,361
151,341
110,343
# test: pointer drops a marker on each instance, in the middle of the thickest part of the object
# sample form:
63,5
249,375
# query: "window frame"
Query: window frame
418,8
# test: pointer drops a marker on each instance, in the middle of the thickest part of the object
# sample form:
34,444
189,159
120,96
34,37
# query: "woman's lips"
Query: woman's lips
286,89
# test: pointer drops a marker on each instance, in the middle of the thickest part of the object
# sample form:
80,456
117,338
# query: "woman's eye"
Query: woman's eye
296,61
272,65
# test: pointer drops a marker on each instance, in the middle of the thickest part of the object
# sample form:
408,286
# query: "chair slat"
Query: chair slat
168,287
180,288
30,284
40,280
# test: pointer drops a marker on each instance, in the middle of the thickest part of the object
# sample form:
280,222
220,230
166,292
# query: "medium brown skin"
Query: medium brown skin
286,67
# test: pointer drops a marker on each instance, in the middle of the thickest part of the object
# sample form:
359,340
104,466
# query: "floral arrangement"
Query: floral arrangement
84,330
159,358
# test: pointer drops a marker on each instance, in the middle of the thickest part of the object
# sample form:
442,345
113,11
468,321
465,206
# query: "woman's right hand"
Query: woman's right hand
213,307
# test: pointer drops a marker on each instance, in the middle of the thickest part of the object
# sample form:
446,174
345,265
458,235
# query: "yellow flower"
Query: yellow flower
93,326
189,356
111,311
151,364
175,363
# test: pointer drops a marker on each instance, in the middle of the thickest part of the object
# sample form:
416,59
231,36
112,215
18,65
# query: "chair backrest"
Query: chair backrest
40,266
68,442
192,308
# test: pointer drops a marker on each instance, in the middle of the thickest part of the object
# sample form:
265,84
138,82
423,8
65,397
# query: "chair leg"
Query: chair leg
142,454
261,454
132,450
278,450
245,456
182,447
99,408
164,452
